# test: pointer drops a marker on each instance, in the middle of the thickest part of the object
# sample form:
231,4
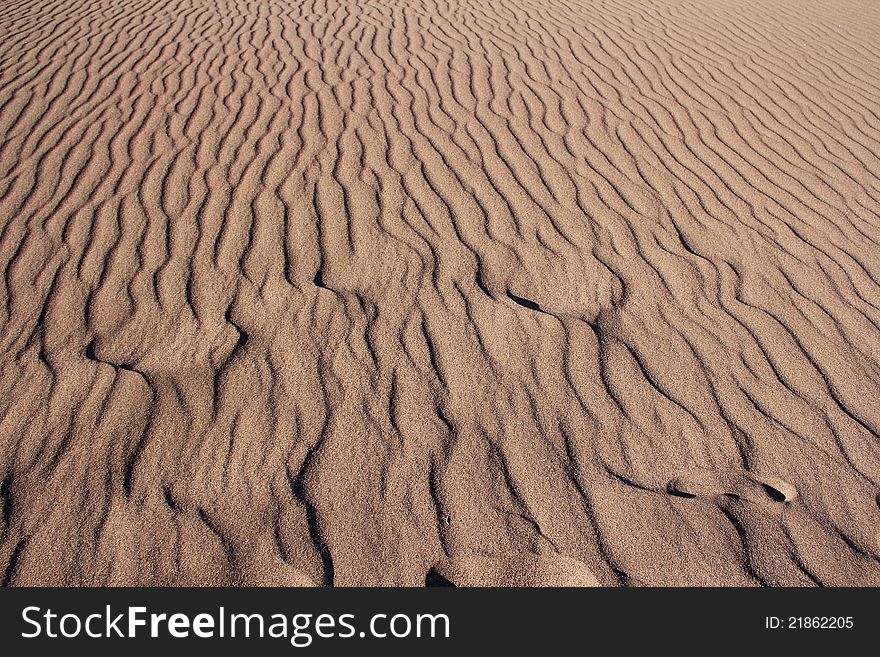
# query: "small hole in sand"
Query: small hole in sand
775,495
433,578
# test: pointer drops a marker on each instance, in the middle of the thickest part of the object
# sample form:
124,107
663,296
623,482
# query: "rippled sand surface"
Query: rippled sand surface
400,292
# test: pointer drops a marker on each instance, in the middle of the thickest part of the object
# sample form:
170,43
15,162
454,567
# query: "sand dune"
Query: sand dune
398,292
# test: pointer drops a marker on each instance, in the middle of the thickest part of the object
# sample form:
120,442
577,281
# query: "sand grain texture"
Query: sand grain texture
365,292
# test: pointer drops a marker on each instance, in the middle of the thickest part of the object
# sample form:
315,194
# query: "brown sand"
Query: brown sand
483,292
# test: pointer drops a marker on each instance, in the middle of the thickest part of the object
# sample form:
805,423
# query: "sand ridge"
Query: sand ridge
424,291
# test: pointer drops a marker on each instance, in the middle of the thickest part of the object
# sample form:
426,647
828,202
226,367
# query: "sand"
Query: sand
407,292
